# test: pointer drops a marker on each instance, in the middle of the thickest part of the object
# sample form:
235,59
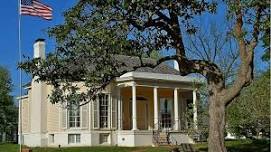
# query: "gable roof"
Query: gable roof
162,69
131,62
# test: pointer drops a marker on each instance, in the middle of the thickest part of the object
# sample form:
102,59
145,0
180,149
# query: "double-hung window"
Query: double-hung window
101,111
74,138
103,102
74,116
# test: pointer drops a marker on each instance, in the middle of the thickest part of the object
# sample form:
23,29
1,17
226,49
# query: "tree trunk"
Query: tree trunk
216,125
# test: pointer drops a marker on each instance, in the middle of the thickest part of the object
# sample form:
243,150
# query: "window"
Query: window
51,138
104,138
103,102
95,114
166,110
101,111
114,113
74,138
74,116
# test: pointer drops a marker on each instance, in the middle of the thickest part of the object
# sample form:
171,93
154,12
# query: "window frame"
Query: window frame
51,138
76,138
104,138
77,117
97,112
104,110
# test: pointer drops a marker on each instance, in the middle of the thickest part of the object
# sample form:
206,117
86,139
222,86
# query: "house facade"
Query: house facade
146,107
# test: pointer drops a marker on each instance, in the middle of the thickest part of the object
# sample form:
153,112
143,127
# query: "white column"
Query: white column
134,107
119,111
155,108
195,113
176,110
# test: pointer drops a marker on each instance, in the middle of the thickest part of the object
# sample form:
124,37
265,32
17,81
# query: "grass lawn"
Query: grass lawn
241,146
15,148
232,146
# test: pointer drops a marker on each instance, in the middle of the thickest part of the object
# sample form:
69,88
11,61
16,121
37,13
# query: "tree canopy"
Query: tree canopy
250,114
8,110
96,33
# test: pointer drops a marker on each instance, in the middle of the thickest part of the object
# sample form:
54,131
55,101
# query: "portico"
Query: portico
145,105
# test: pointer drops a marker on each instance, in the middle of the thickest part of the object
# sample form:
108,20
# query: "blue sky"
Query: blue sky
33,28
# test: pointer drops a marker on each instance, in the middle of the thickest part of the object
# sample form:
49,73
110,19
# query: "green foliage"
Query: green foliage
249,8
250,114
5,87
265,26
96,33
8,111
201,133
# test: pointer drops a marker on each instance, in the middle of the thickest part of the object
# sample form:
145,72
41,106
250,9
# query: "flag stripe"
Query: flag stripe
38,13
35,8
44,17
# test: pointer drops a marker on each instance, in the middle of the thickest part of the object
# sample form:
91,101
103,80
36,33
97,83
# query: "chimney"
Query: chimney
39,48
38,104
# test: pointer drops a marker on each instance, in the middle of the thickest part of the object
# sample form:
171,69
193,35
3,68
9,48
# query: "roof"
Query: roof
162,71
131,62
158,76
162,68
126,64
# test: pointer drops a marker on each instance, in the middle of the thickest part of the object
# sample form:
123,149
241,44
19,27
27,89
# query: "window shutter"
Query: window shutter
95,114
84,116
114,113
64,112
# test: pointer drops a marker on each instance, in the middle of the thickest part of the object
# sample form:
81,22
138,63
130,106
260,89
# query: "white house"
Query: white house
142,108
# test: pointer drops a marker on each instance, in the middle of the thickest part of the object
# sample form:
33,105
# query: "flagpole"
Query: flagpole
20,75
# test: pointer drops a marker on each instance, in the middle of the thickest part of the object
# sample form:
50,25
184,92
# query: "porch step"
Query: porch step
163,139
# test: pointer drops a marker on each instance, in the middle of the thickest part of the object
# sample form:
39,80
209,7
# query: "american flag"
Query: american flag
36,8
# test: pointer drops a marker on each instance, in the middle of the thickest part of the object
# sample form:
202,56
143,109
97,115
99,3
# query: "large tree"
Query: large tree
8,110
97,33
213,43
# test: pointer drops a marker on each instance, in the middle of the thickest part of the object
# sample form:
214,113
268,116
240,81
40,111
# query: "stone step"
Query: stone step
162,139
163,135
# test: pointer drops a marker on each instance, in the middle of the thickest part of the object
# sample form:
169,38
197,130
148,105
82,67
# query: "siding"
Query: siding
52,117
25,115
52,113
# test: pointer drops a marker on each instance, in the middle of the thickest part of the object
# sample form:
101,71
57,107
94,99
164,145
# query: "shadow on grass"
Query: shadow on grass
242,146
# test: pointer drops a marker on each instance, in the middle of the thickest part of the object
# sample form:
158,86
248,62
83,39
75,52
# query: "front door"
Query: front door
142,120
166,112
141,114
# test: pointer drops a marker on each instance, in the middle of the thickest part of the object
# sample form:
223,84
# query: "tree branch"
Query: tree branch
256,30
245,72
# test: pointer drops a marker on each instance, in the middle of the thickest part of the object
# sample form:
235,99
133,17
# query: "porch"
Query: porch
146,107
